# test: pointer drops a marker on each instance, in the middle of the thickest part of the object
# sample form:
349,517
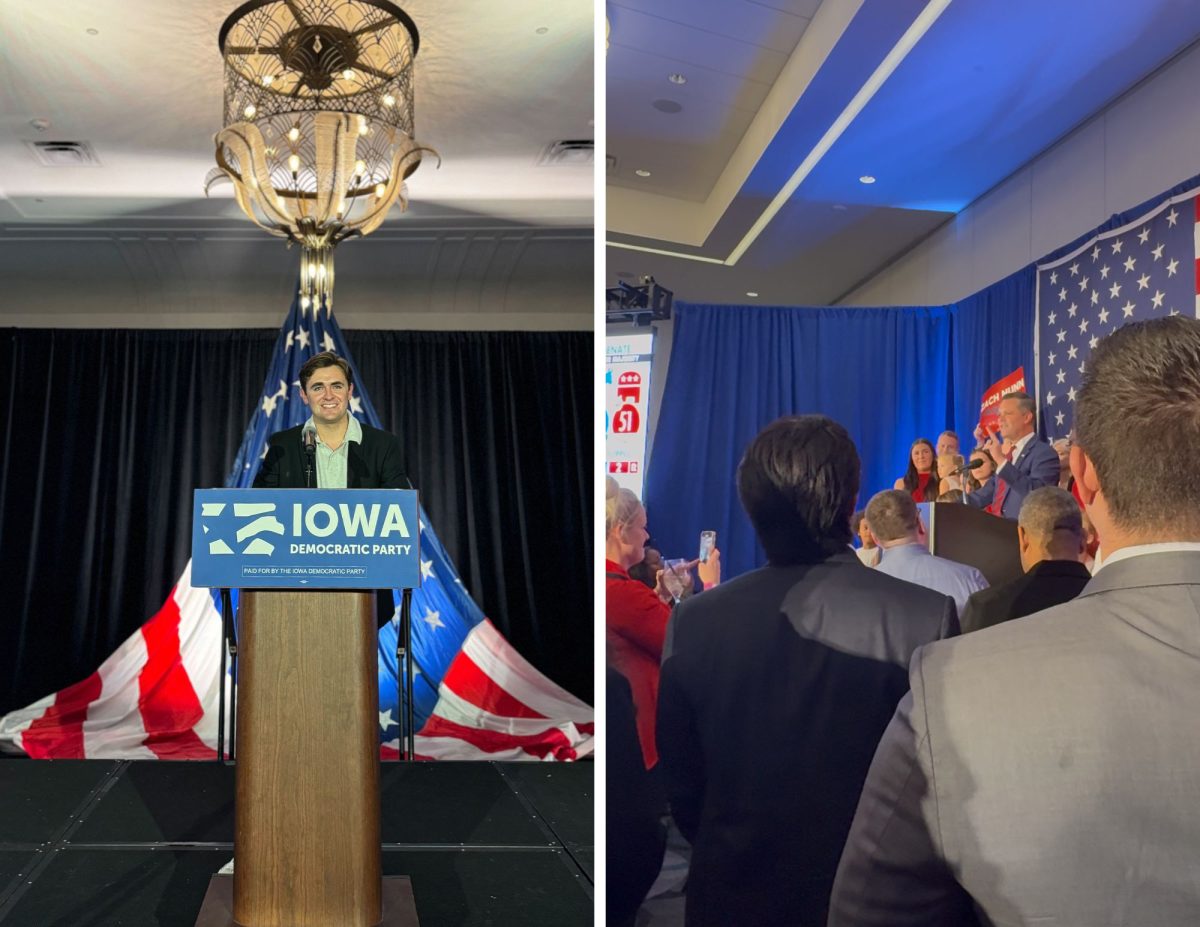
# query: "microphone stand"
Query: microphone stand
310,453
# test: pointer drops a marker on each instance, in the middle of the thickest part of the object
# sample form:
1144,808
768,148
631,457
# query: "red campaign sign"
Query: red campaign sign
626,421
989,406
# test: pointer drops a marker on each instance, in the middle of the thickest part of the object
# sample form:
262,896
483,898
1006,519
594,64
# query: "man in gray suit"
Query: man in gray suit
1047,771
776,687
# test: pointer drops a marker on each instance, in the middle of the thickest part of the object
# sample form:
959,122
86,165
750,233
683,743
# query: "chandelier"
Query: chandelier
318,125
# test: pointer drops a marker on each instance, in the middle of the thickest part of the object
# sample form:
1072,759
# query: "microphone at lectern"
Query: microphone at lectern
308,438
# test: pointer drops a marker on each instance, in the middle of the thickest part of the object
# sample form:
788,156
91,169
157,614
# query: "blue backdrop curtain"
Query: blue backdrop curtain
888,375
991,336
882,373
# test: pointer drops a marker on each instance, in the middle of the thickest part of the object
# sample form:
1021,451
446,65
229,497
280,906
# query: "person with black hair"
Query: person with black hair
922,470
776,686
349,454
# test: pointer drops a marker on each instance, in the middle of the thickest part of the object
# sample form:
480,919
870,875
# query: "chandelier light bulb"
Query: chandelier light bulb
294,164
360,167
294,133
268,79
250,111
348,74
389,100
379,190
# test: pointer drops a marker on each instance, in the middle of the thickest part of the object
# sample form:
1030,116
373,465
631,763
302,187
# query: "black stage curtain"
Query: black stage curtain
106,434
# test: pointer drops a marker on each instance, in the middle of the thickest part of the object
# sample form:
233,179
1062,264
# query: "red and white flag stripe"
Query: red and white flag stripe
157,697
493,705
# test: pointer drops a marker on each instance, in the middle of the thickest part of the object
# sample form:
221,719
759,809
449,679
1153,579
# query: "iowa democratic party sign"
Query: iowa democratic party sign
306,538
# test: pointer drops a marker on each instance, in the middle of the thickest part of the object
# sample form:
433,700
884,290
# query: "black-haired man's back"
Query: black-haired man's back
776,688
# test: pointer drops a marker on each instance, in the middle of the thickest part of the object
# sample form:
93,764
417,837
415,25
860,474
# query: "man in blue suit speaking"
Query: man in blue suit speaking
1023,460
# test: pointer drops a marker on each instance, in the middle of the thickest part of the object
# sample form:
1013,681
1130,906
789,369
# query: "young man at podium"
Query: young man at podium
332,450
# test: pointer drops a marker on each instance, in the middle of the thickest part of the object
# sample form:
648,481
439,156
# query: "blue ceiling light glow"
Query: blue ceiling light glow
990,87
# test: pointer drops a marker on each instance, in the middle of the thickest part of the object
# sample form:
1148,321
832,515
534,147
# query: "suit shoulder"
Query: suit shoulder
901,590
1036,639
378,436
285,436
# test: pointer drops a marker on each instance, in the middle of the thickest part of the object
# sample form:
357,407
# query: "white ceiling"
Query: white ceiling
731,53
491,93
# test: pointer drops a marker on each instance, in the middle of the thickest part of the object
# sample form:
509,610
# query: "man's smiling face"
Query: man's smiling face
328,395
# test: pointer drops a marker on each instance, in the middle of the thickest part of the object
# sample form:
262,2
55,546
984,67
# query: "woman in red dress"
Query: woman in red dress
922,463
636,616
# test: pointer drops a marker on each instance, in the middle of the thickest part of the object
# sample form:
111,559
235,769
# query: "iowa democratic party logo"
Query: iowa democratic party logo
304,538
249,521
247,528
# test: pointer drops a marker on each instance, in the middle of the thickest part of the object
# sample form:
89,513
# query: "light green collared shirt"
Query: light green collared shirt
332,465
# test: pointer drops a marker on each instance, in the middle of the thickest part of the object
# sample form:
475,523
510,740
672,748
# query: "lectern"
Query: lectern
307,821
969,535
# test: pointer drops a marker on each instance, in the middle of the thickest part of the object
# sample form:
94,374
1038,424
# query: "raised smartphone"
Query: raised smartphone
708,541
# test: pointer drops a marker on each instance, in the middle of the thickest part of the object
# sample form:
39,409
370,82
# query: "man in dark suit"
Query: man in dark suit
1045,771
776,687
1050,535
349,454
1023,460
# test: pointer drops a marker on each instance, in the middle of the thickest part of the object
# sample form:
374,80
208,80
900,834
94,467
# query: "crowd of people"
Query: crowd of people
875,736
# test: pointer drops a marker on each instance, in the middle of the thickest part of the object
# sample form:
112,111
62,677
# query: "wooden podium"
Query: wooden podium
972,536
307,825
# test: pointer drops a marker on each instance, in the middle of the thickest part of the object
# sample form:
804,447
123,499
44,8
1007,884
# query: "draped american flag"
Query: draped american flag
1145,269
157,695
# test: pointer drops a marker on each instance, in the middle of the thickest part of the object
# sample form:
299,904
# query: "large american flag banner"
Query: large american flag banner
1145,269
157,695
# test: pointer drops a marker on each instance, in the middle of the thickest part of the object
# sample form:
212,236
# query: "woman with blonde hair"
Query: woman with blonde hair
948,480
636,616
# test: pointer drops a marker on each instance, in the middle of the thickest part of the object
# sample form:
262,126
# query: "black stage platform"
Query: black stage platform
121,844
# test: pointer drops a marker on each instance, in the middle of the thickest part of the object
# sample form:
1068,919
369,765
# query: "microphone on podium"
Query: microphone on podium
308,438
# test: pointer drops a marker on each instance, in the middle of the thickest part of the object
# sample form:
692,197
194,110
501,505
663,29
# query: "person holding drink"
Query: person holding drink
636,616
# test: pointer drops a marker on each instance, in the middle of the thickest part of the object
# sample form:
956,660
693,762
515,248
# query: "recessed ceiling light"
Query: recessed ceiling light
866,178
93,31
40,124
751,293
677,78
667,106
542,30
642,173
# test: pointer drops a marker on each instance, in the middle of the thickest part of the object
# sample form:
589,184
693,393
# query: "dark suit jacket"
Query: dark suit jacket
376,463
1036,466
1045,771
636,837
1050,582
775,689
373,464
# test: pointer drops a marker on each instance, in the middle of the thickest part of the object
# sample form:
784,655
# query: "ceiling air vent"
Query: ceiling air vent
569,151
64,154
